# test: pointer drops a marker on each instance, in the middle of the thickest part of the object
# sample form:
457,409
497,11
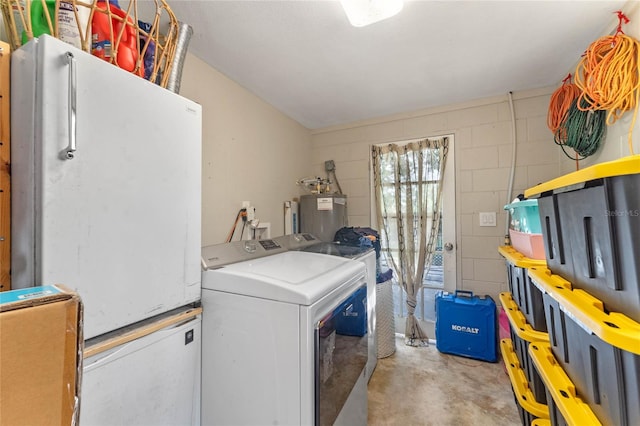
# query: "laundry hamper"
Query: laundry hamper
385,323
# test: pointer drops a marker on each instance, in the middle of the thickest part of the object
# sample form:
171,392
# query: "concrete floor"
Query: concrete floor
439,389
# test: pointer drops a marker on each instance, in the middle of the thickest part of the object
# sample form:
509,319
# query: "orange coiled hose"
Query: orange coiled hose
559,105
609,77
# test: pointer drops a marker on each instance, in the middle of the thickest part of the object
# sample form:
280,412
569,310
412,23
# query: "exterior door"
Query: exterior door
441,275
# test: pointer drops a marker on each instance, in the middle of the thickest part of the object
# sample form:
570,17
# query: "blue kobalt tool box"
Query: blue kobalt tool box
466,325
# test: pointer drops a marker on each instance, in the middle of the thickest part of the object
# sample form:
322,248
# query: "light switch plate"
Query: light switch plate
487,218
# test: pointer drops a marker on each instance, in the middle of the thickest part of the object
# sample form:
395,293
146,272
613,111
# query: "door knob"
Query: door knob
448,246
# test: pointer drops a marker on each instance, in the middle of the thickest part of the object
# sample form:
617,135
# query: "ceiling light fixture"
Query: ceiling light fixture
365,12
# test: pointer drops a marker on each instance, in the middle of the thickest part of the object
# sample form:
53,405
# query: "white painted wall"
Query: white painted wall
250,152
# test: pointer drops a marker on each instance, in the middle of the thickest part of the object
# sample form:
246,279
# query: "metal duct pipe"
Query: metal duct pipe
182,44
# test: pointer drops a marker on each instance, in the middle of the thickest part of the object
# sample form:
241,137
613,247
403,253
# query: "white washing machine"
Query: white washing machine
278,346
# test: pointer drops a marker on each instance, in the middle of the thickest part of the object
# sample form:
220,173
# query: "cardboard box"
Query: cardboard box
40,356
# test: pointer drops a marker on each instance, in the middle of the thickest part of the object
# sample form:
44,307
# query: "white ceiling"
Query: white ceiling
305,59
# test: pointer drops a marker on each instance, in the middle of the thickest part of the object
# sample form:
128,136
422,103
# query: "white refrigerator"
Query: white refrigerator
106,199
106,185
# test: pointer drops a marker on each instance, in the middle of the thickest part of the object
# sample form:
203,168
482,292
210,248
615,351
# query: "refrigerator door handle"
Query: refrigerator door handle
69,152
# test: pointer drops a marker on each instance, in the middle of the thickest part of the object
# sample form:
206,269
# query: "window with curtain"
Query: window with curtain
408,188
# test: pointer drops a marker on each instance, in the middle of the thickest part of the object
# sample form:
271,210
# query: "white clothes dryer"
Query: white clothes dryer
275,349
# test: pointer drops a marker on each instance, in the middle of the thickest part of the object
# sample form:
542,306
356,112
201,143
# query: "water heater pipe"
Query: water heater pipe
513,165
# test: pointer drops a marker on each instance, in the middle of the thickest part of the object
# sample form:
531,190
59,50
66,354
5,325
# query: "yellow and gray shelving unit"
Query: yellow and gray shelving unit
515,366
609,389
588,292
591,295
524,293
530,398
563,395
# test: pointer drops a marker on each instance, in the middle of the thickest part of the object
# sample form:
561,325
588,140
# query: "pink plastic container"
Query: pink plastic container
503,321
530,245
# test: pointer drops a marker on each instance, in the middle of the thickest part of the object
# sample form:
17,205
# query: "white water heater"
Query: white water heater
323,214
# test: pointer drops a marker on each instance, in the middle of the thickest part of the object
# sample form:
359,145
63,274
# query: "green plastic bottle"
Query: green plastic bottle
39,23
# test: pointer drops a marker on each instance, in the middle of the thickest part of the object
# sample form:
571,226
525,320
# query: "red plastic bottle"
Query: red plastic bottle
101,37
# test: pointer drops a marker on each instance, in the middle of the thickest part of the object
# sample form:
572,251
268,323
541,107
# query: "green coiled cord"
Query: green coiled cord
581,130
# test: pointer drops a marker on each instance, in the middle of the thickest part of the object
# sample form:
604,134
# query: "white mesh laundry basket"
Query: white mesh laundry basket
385,323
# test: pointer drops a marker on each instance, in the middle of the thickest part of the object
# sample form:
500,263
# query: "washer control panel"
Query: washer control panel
219,255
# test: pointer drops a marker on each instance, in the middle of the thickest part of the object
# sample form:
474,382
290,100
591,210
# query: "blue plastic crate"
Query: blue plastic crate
352,319
524,216
466,325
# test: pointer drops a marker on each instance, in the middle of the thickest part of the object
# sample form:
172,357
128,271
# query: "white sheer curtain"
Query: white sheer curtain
408,187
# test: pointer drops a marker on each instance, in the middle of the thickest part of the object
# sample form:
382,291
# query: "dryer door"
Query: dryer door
341,354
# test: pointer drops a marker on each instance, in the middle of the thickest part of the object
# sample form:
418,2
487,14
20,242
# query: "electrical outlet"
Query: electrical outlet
251,213
487,218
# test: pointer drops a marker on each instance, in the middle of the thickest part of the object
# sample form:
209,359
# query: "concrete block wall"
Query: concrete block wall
485,158
483,150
